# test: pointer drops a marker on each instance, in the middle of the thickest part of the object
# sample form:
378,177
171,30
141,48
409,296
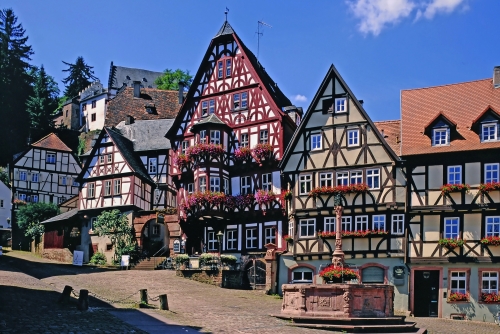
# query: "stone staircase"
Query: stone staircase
150,263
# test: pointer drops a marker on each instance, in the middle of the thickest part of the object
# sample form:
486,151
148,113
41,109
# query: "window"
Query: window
267,182
34,177
204,108
269,235
211,106
93,117
22,176
215,137
291,228
156,229
225,186
343,178
326,179
251,240
22,197
244,100
440,137
361,223
101,159
329,224
110,158
214,183
231,239
152,164
220,70
305,183
91,190
372,275
373,178
107,188
84,106
346,223
60,200
34,199
202,184
246,186
62,180
66,113
184,146
489,282
228,67
307,228
353,137
203,136
451,226
94,103
458,282
493,226
489,132
1,203
212,241
490,173
316,142
398,223
244,140
454,174
378,222
341,105
117,188
51,158
263,137
236,101
302,275
356,177
75,183
92,222
190,188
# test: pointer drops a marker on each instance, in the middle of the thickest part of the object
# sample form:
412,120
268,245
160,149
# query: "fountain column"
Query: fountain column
338,254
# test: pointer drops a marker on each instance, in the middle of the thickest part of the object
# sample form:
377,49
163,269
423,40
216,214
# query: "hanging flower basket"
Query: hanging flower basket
334,274
263,151
490,297
19,202
242,154
182,161
288,238
491,241
287,195
458,297
204,151
352,189
490,186
454,188
264,197
451,243
206,199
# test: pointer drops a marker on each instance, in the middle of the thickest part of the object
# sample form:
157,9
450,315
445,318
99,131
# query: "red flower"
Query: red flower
355,188
490,186
453,188
458,297
332,271
492,241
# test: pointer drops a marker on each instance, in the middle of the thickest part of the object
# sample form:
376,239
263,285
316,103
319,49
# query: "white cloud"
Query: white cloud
299,98
436,6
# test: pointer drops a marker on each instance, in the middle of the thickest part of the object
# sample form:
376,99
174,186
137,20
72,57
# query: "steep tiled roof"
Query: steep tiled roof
51,142
147,135
461,103
391,131
165,104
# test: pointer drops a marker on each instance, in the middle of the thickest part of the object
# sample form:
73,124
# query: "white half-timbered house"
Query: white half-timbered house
46,172
450,140
337,149
234,105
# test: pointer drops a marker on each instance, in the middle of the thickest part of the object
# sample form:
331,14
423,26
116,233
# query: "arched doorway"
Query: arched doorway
153,237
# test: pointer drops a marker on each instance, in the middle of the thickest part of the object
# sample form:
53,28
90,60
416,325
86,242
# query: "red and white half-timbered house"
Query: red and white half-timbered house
229,135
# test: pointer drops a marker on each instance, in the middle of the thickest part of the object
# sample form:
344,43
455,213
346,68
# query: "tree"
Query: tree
80,77
116,226
31,215
170,79
4,176
15,85
43,102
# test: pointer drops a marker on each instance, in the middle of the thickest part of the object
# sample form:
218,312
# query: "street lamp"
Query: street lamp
219,239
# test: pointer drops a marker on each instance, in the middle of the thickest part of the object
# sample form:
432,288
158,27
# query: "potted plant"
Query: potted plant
182,161
287,195
242,154
228,260
490,297
182,261
490,186
335,274
451,243
288,238
454,188
458,297
491,241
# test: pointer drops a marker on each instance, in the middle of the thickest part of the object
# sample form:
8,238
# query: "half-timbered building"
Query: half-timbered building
450,140
338,157
46,172
228,137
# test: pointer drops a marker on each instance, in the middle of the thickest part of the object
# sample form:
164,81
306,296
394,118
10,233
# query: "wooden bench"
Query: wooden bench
458,316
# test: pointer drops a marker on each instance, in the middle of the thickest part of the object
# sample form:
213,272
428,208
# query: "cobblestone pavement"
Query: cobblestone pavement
206,308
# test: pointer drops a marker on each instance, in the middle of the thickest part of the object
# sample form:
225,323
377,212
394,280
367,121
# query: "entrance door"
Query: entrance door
426,290
256,274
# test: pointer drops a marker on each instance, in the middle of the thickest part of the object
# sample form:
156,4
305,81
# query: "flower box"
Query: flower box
458,297
451,243
204,151
454,188
490,297
491,241
361,234
332,274
240,202
264,197
355,188
182,259
242,154
263,151
288,238
228,260
490,186
19,202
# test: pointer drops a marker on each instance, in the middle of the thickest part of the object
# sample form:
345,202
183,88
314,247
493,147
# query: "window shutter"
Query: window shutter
327,106
373,275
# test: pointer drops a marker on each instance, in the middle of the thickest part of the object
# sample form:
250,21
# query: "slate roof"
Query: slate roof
147,135
62,216
51,142
119,75
165,104
226,29
462,103
391,131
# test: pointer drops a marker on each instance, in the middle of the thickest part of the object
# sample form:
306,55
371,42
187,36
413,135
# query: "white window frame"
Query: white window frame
117,187
267,181
203,136
211,107
454,174
225,186
214,183
361,223
299,275
202,184
329,224
356,177
489,136
190,188
342,178
340,105
244,140
236,101
353,137
92,223
251,237
492,226
326,179
63,180
228,66
373,178
21,197
152,165
91,190
220,69
231,239
184,146
102,159
34,199
107,188
459,279
316,142
378,221
211,241
110,158
264,137
246,185
398,224
346,223
269,235
204,108
309,226
215,137
491,172
305,184
291,228
489,277
453,223
438,139
244,100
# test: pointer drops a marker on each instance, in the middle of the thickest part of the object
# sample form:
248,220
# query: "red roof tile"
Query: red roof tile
391,131
51,142
462,103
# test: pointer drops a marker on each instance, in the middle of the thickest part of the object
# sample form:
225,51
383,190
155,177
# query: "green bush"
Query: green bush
206,259
228,260
182,259
98,258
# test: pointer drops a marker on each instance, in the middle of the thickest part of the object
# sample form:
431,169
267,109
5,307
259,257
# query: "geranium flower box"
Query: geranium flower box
490,297
451,243
335,274
491,241
263,151
454,188
488,187
458,297
242,154
205,152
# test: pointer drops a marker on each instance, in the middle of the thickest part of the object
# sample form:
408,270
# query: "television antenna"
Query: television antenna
259,25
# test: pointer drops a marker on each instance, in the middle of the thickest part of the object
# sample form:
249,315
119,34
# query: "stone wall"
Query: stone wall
230,279
60,255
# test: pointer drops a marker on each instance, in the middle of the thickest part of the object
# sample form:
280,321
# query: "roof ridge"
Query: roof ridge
39,140
446,85
388,121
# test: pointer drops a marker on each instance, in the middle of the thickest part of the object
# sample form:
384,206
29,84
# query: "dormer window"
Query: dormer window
489,132
441,137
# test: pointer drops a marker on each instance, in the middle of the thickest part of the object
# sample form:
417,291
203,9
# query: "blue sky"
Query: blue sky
379,46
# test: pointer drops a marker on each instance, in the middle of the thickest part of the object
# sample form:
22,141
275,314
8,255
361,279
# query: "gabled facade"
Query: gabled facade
337,151
228,138
450,142
5,215
120,77
93,100
46,172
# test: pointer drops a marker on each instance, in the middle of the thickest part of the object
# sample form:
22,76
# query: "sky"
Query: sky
380,47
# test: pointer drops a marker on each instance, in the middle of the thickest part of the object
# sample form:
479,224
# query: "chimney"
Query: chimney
496,77
129,120
137,88
181,92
